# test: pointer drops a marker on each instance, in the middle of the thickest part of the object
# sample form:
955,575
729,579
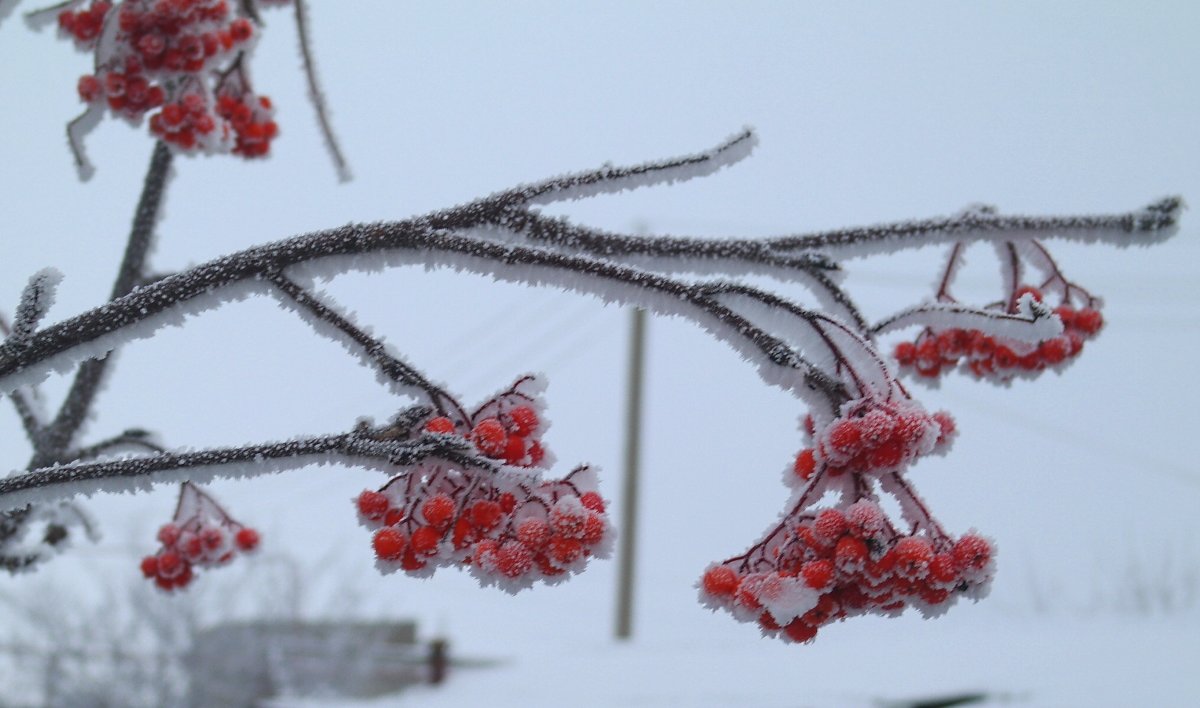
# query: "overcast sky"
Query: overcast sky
866,113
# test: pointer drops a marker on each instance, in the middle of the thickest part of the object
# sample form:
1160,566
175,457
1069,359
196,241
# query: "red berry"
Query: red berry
425,540
514,450
564,550
489,437
592,501
799,631
438,510
1089,320
972,552
906,353
508,502
534,533
593,529
523,420
720,581
817,574
440,424
372,505
513,559
247,539
912,554
806,463
389,543
830,525
168,535
845,437
851,554
484,514
150,566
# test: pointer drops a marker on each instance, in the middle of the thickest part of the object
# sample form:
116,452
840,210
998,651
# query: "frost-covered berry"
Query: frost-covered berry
523,421
720,581
247,539
490,437
438,510
389,543
372,505
440,424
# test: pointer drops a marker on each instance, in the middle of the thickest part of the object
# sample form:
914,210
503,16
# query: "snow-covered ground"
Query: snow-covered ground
1051,662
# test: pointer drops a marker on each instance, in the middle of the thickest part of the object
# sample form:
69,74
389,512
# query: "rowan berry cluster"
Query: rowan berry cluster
507,531
818,568
201,535
167,55
508,526
873,437
939,351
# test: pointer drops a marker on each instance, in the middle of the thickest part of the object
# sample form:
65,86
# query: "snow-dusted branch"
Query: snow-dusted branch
315,94
78,402
59,482
1152,223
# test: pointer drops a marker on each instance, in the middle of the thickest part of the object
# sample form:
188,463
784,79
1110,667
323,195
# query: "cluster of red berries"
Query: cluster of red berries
84,26
508,532
163,54
201,536
873,437
250,117
509,527
936,352
507,427
819,568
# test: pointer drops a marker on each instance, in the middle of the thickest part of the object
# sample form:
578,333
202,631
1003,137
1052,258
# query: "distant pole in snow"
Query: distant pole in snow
629,491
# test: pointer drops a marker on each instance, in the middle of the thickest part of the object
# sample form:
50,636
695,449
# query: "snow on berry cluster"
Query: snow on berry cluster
506,525
183,61
822,567
201,535
939,351
508,531
873,437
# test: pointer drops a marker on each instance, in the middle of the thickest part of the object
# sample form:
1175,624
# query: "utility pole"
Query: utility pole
629,492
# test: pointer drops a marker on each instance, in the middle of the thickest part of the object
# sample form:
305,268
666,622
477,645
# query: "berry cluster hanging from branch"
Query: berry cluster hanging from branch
471,489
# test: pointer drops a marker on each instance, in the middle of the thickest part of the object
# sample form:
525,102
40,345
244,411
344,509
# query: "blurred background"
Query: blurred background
866,113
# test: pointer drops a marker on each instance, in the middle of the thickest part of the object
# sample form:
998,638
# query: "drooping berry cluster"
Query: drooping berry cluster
818,568
508,526
507,531
201,535
939,351
873,437
167,55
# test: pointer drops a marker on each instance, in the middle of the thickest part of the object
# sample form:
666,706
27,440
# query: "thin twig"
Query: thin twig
316,95
78,402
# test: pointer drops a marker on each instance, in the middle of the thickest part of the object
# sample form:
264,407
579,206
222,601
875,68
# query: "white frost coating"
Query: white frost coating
786,598
200,474
1034,321
615,180
825,343
608,291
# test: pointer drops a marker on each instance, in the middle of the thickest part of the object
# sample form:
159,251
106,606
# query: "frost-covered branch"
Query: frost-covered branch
78,402
60,482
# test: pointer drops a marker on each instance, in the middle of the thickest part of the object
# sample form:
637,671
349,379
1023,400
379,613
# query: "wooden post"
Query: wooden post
629,491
